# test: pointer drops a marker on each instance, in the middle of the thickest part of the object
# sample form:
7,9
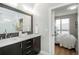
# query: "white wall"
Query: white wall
41,18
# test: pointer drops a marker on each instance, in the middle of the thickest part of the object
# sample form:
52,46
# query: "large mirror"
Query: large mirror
12,21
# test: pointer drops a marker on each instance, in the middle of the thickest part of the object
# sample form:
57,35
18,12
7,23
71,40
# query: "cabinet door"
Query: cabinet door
0,51
36,45
13,49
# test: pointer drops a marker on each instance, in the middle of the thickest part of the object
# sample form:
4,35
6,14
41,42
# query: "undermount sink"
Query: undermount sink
23,35
12,38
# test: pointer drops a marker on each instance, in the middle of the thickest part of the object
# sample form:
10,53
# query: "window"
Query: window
62,25
65,25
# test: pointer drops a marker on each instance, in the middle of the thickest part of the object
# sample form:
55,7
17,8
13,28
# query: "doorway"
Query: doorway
66,30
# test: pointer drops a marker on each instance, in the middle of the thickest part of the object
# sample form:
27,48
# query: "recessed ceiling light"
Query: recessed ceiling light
73,7
26,7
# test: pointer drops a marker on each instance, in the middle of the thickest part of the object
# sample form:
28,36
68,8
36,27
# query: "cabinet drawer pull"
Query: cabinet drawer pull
28,42
28,47
28,52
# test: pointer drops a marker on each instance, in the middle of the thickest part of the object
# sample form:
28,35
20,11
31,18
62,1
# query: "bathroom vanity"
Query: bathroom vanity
13,21
27,45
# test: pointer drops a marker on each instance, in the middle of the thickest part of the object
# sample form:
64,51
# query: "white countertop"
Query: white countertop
9,41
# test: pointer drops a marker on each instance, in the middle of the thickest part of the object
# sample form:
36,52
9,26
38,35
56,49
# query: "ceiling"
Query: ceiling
64,10
30,5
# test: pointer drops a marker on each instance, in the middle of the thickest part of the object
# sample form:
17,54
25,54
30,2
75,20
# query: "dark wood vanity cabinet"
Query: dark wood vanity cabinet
14,49
36,45
27,47
31,46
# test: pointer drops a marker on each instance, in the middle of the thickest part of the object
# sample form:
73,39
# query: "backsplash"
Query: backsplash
9,35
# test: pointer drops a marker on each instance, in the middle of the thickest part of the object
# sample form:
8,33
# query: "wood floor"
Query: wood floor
64,51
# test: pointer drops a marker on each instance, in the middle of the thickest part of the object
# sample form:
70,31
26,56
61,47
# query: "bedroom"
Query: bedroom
66,33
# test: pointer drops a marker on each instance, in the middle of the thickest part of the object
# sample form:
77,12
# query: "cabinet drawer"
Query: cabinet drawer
27,51
27,42
26,47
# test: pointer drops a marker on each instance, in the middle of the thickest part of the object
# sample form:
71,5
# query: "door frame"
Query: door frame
51,26
78,28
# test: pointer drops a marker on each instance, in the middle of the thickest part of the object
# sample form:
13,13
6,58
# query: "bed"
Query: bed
66,40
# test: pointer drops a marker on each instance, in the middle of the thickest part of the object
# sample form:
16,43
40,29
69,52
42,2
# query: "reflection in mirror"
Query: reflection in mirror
11,21
19,25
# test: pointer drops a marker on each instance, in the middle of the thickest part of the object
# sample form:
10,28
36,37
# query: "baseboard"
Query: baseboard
43,53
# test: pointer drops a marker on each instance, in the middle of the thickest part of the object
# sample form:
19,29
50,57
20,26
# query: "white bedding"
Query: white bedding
66,40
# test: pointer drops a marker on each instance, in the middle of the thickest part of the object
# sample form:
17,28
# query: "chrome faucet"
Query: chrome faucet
5,33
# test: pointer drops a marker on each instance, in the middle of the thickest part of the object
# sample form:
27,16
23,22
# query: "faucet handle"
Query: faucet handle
5,35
